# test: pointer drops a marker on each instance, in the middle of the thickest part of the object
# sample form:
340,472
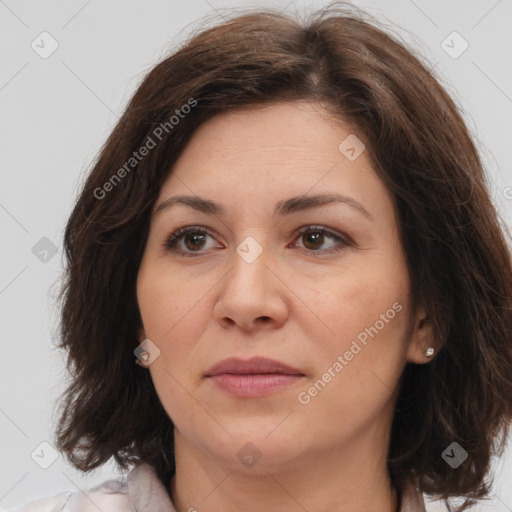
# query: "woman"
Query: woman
290,230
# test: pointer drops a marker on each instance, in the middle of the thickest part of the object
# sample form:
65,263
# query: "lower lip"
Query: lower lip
254,384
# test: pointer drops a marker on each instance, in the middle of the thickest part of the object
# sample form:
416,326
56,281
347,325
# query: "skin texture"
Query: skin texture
295,303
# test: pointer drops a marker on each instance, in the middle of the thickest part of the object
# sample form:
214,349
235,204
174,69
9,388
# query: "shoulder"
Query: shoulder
109,495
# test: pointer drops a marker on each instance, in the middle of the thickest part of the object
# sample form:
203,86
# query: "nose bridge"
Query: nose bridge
250,290
250,266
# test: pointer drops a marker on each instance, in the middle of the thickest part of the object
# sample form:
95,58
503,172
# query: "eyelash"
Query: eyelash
171,242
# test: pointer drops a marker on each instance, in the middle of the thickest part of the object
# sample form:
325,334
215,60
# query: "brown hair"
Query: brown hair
418,144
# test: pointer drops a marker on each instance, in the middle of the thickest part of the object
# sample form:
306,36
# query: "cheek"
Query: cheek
166,298
344,303
173,324
175,312
356,367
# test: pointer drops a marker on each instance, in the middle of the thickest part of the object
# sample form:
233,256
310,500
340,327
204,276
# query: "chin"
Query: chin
256,445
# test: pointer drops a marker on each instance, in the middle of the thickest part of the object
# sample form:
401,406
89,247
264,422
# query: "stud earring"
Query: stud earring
430,352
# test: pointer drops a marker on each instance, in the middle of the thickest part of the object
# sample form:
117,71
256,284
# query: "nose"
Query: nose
252,295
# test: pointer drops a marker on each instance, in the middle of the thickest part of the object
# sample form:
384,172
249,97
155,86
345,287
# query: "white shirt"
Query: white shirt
141,491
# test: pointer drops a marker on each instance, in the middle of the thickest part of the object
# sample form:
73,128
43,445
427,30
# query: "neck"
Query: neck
349,479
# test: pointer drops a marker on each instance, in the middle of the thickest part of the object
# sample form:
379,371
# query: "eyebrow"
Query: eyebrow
284,207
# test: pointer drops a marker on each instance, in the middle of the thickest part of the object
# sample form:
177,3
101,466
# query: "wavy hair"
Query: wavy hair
418,144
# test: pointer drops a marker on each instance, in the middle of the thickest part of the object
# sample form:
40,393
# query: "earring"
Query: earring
430,352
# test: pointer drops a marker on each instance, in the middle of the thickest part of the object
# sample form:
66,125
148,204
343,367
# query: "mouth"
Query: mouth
254,377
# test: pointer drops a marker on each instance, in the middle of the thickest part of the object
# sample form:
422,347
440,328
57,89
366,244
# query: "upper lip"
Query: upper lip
255,365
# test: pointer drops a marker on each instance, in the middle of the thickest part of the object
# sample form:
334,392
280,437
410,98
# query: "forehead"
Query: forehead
302,128
265,154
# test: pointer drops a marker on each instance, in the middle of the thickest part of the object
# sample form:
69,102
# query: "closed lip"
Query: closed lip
253,366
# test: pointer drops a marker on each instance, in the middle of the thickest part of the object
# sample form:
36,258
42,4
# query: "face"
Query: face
319,286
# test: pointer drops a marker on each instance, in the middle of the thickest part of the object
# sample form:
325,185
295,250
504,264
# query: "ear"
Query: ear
422,338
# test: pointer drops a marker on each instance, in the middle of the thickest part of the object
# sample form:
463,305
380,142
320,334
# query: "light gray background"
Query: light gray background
57,112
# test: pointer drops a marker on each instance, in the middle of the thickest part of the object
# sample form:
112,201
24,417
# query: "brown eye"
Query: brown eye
187,241
313,240
193,240
314,237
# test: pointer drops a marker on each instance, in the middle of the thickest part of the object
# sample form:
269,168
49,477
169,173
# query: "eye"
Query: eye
314,237
191,241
